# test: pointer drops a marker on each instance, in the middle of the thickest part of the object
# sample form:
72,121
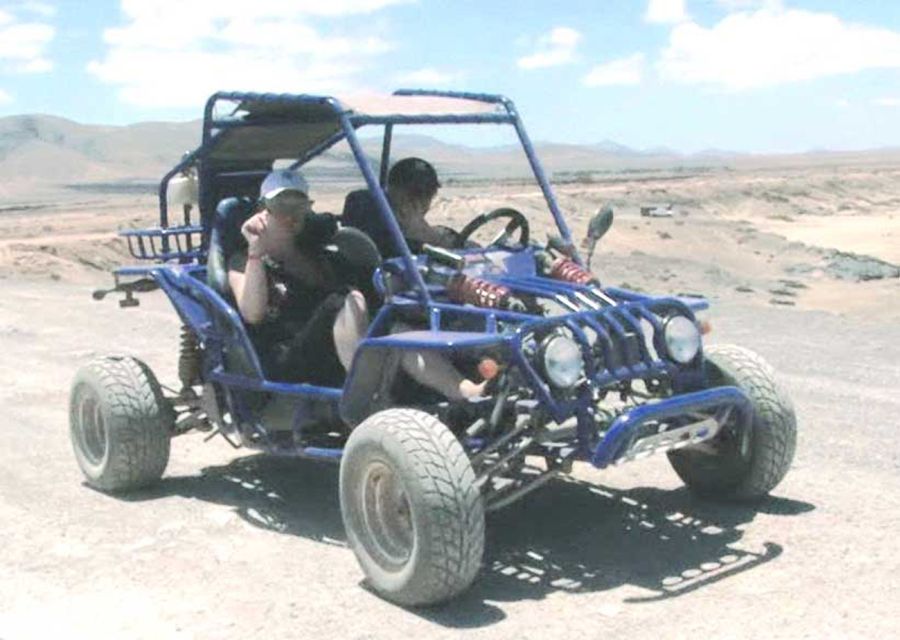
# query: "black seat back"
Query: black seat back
225,240
361,212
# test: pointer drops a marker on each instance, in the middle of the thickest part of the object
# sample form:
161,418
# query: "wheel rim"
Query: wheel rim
387,517
91,429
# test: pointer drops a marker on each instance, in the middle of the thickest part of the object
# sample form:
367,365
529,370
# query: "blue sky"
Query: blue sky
747,75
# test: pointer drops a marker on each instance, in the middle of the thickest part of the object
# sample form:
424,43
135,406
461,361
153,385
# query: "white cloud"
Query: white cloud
774,46
5,98
23,45
263,45
842,103
665,11
886,102
624,71
428,77
553,49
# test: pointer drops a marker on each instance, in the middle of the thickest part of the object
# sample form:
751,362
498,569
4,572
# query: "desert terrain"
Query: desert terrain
798,257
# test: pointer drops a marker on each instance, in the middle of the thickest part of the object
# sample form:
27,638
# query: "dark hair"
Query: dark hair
415,175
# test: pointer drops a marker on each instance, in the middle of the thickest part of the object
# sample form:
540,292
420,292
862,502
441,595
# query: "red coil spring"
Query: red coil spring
570,271
465,290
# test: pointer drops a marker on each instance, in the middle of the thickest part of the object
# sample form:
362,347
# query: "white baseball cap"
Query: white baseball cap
283,180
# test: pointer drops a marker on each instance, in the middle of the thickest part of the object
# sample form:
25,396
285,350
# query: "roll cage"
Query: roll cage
264,127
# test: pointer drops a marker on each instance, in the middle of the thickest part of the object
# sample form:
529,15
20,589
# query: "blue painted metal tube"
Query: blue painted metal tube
439,340
286,388
530,285
162,231
623,429
385,208
296,98
557,285
321,453
499,314
174,282
319,148
385,154
541,177
694,304
462,95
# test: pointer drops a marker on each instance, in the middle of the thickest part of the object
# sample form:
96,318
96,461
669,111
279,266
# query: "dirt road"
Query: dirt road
233,545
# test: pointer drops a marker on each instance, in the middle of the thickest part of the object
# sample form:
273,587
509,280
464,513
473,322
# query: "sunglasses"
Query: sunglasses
289,203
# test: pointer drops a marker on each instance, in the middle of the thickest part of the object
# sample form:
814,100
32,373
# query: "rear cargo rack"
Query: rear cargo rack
183,243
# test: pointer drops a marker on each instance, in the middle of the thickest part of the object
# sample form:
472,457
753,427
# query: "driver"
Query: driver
412,185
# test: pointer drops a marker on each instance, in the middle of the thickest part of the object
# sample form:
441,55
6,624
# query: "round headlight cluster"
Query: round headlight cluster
562,361
682,339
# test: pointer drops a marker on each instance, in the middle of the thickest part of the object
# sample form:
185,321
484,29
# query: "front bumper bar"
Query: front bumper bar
624,441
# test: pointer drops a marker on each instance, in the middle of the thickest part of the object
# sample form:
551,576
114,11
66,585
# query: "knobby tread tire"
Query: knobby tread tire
138,422
773,436
447,508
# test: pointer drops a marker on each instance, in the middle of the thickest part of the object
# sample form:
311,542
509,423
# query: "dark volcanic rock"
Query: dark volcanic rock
852,266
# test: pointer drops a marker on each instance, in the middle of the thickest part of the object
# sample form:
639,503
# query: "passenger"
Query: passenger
304,323
411,187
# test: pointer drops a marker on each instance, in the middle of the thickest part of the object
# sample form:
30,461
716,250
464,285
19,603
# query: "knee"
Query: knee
356,301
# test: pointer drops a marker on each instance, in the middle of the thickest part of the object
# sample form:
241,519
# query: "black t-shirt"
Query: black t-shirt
292,302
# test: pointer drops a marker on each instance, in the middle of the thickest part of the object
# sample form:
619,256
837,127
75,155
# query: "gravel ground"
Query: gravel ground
232,545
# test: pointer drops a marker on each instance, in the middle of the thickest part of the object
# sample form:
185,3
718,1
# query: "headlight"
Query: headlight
562,359
682,339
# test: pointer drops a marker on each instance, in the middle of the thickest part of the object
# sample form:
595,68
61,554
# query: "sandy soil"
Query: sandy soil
232,545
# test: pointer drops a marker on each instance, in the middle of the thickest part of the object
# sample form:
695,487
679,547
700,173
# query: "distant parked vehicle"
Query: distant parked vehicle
658,211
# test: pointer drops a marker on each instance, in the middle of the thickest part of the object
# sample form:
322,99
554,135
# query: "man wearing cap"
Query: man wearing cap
411,187
302,319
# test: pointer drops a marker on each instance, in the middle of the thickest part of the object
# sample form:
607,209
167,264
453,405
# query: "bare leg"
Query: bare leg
437,372
350,327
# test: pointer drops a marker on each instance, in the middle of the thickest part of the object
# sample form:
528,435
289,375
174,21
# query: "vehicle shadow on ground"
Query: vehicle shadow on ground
569,536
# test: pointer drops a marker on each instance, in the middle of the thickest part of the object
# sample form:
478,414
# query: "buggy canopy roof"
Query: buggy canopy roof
248,126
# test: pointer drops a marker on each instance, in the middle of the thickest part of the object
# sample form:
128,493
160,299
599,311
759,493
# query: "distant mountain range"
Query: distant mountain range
40,153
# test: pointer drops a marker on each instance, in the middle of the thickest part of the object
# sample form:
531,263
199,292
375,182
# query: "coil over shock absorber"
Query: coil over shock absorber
188,358
568,270
465,290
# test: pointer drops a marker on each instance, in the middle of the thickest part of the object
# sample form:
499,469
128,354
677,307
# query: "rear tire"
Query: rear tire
119,423
412,510
744,464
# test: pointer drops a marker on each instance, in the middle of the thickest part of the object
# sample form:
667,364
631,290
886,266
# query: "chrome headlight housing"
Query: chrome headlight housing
562,361
682,339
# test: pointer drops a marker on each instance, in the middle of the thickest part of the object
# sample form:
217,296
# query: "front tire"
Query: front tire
411,507
119,423
742,463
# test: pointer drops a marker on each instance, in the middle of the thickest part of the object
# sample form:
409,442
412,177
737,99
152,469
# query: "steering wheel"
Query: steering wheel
517,221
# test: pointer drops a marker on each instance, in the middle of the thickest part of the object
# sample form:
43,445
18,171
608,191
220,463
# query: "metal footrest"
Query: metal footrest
687,435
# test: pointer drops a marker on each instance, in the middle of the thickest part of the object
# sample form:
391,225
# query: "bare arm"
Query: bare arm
251,288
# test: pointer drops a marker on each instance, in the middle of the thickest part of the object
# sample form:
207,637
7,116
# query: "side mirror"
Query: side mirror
597,228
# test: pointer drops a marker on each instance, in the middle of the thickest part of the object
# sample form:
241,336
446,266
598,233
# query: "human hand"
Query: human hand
256,232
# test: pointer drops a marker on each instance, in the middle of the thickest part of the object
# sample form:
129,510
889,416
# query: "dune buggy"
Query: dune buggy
578,371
